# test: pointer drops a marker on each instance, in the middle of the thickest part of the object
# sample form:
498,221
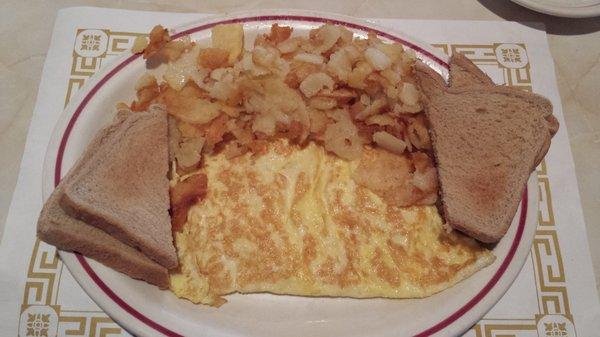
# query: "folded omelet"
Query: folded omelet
294,221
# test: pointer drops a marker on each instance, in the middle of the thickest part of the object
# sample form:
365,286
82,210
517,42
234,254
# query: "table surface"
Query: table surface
26,27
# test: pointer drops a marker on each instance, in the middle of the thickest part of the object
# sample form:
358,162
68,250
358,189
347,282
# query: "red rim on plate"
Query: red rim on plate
159,328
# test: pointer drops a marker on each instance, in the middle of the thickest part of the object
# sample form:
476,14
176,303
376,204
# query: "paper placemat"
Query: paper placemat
554,295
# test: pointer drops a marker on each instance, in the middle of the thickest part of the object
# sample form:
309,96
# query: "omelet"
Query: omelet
293,221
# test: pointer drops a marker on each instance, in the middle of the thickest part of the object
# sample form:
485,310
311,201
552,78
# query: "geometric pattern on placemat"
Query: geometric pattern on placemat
91,48
504,328
42,285
82,323
552,294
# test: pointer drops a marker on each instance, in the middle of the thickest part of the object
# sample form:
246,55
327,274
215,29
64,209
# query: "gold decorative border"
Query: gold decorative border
84,323
42,285
45,268
504,328
551,286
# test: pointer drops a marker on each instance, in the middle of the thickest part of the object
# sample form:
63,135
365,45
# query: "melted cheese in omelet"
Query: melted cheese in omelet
293,221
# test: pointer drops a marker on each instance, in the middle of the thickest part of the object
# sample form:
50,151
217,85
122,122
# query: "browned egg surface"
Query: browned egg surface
294,221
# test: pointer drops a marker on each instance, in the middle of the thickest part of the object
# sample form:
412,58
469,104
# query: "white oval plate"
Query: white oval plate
145,310
564,8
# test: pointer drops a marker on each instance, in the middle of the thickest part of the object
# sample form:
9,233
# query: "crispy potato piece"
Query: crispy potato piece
393,50
213,58
289,45
174,138
325,37
279,33
298,72
190,104
314,83
342,137
322,103
243,135
230,38
293,131
234,149
403,180
188,152
389,142
318,121
356,78
144,98
216,131
418,133
145,81
342,96
188,130
147,91
183,196
139,44
258,146
173,49
159,37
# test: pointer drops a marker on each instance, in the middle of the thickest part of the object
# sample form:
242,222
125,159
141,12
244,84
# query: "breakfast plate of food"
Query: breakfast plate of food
294,173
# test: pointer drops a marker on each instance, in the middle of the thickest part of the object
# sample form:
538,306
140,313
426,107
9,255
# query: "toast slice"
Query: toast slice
487,139
124,189
67,233
59,229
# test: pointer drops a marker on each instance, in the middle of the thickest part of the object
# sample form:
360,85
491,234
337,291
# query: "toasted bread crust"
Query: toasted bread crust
467,74
57,228
487,139
124,189
67,233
